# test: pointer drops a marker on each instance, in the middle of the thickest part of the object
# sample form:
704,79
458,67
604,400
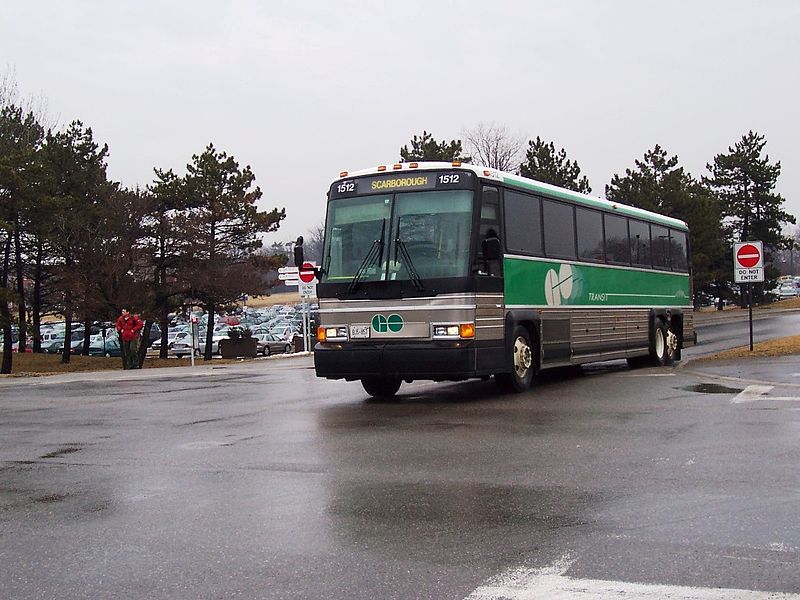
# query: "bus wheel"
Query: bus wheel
665,343
522,366
381,387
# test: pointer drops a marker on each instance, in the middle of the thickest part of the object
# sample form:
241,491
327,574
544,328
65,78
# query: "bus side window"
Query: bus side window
490,246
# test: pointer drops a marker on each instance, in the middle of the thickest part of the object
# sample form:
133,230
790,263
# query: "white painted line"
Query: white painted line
550,583
754,393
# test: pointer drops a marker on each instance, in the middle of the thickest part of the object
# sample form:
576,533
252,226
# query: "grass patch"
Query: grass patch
35,365
787,346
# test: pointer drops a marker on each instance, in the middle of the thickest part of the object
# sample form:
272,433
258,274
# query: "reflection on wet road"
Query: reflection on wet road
262,481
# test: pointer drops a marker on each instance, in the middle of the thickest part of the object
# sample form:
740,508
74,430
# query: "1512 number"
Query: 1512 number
449,179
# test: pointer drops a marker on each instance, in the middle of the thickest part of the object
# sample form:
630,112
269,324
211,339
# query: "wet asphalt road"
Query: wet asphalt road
260,481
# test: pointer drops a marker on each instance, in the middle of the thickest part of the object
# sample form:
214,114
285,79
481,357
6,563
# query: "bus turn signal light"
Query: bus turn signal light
322,334
467,330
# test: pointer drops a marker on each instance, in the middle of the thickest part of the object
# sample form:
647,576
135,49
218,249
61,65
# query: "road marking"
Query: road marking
754,393
532,584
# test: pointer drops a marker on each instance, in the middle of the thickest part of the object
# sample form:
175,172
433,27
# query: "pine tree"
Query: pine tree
544,164
744,182
226,224
658,184
425,148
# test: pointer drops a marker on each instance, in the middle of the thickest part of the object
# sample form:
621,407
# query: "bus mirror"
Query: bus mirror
490,248
298,252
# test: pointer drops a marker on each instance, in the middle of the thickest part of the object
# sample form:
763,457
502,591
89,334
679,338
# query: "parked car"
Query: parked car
788,290
271,344
109,348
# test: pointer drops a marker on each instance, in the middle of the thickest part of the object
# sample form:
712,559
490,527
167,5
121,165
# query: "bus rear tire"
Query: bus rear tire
523,365
381,388
664,345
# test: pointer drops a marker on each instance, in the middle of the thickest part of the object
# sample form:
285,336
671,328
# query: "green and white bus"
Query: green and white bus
450,271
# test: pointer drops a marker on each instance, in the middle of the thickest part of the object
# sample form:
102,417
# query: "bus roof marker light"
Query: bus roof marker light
456,163
397,166
413,165
382,168
343,174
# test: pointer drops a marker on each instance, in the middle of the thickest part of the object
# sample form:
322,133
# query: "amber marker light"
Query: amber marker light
467,330
382,168
343,174
397,166
322,334
413,165
456,163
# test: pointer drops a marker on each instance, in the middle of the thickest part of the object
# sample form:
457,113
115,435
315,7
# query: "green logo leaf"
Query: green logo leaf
383,324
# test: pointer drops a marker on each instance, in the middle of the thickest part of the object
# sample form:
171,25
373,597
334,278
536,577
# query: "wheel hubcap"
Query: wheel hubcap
523,358
672,342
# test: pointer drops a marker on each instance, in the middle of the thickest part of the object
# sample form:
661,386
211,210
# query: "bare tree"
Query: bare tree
493,146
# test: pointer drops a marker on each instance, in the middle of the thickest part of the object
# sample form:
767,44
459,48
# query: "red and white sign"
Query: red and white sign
748,262
306,273
748,256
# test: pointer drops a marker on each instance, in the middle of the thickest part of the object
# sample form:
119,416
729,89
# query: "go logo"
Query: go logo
558,285
384,324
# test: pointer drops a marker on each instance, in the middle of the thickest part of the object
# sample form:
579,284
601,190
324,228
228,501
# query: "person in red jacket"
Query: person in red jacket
128,327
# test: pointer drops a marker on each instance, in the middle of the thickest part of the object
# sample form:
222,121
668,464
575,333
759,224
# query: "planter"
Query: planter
241,348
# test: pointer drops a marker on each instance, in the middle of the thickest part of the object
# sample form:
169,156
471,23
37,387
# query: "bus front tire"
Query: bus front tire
381,388
523,365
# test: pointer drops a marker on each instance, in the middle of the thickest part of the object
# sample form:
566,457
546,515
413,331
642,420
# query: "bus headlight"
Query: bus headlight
454,331
337,333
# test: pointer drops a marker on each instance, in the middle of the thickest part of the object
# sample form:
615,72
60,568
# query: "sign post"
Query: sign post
305,278
748,268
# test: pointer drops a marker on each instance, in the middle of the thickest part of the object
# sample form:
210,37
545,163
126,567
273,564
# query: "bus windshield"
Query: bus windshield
403,236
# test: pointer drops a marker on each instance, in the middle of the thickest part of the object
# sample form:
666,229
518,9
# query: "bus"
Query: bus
451,271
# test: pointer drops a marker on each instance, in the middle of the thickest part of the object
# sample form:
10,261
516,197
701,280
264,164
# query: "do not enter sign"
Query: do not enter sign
748,256
748,262
306,273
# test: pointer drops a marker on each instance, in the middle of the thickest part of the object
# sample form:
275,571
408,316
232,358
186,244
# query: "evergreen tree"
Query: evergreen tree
658,184
75,170
744,182
544,164
20,139
225,223
165,245
425,148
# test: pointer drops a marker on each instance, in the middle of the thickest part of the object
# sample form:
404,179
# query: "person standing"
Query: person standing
128,327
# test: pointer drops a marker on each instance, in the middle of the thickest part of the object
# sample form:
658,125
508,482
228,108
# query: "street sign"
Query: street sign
306,273
748,262
307,290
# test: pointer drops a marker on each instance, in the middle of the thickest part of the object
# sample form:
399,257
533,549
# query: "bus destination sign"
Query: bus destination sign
402,182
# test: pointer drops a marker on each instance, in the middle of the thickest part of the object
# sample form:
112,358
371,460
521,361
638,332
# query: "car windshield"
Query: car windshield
394,237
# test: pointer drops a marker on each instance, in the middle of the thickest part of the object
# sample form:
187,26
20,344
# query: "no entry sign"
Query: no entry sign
748,262
306,273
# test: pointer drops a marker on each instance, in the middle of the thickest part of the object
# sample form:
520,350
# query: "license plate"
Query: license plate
359,331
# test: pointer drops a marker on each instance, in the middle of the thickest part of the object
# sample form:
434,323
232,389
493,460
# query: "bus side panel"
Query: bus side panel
489,332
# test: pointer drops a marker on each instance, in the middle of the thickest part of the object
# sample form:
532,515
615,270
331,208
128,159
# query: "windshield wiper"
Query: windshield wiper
375,252
401,249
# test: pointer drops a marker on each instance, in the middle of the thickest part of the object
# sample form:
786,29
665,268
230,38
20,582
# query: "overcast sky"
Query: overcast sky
303,90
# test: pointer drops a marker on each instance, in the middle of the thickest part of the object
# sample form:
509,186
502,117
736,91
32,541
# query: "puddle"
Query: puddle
711,388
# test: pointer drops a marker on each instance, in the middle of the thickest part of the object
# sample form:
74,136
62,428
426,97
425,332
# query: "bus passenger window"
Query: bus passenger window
590,234
618,250
640,244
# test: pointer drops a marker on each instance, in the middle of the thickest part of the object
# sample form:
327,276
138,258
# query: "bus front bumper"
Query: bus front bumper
438,361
